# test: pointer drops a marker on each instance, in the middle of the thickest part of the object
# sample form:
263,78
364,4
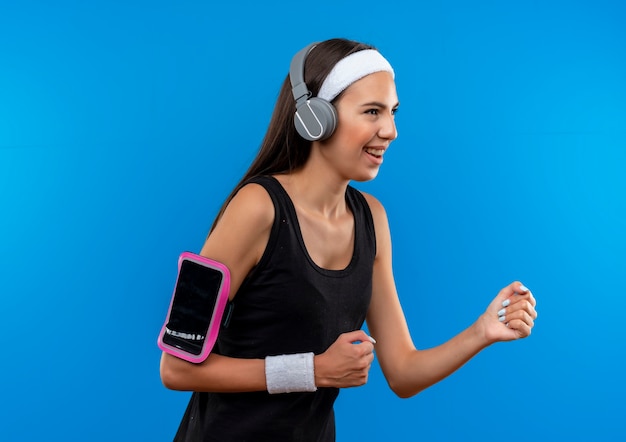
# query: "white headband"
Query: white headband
350,69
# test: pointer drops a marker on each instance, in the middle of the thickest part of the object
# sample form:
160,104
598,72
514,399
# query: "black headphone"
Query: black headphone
315,118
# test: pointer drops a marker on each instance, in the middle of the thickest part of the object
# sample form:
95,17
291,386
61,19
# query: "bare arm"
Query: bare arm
238,241
408,370
216,374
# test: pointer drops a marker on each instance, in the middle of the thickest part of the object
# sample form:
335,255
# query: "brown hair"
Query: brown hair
282,149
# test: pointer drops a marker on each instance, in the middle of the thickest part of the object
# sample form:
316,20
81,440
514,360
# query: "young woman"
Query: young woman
310,261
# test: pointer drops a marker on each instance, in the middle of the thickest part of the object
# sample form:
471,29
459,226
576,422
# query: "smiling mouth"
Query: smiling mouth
375,152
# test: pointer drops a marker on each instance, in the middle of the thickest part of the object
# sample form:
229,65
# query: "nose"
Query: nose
387,128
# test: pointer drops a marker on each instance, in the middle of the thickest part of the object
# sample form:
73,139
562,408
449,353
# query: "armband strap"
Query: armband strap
290,373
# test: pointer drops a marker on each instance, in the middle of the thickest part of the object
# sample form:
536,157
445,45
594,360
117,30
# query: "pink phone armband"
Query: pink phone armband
196,309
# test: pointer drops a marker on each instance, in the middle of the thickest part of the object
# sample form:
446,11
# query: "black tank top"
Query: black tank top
287,304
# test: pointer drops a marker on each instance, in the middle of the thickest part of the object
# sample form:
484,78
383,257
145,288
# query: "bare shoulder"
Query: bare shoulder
251,207
381,227
376,207
241,234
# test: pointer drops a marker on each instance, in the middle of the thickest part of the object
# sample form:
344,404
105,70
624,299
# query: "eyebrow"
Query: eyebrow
379,104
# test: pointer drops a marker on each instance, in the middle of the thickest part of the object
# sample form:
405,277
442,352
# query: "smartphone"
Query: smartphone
196,308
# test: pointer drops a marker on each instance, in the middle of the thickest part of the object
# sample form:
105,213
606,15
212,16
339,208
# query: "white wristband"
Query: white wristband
290,373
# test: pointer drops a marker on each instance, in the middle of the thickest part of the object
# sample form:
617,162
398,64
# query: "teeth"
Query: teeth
377,152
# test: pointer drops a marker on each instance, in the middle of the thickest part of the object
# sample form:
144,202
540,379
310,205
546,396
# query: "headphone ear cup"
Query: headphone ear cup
315,119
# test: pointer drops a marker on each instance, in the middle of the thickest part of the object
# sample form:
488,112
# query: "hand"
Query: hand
346,363
511,315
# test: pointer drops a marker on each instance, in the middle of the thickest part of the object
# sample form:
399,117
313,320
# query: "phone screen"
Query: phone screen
195,295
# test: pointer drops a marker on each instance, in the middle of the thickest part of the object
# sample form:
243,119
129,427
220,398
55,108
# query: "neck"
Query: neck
314,192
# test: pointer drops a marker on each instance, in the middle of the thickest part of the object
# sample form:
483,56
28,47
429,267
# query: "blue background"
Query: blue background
123,125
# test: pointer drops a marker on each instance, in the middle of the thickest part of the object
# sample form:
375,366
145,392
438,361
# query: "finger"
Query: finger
527,295
532,299
518,305
365,362
358,336
365,349
521,328
519,315
521,288
518,288
510,293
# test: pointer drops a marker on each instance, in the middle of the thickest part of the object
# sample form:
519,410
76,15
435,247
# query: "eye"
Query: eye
372,111
394,111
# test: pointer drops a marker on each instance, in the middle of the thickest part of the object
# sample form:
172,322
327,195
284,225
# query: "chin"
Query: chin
366,177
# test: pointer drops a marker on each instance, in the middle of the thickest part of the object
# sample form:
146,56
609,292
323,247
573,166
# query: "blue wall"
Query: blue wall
123,125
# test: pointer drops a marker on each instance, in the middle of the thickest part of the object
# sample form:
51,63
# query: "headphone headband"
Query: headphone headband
296,73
